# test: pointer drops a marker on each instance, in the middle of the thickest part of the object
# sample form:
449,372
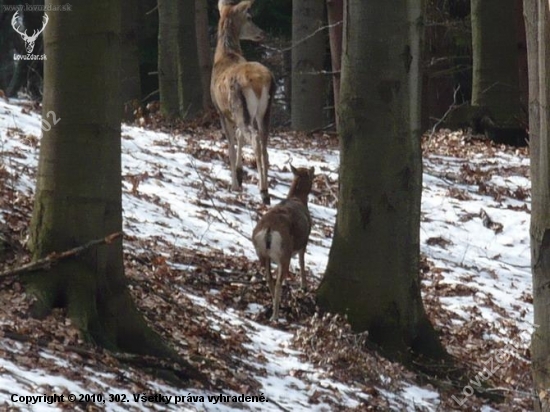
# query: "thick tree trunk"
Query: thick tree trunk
78,193
204,50
335,12
189,75
495,88
130,81
373,270
167,57
537,23
308,56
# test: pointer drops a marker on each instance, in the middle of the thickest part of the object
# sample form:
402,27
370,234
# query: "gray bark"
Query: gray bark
308,55
373,271
537,18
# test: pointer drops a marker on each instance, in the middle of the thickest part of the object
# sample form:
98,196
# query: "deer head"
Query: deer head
29,40
240,15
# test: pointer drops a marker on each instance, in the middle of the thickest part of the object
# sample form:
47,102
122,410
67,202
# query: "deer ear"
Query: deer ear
294,170
244,6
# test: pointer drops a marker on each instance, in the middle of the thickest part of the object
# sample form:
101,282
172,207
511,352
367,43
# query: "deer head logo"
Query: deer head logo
29,40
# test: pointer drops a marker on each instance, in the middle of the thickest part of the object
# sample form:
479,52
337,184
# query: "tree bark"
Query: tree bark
495,88
373,271
78,191
204,50
537,18
308,56
189,75
130,81
167,57
335,13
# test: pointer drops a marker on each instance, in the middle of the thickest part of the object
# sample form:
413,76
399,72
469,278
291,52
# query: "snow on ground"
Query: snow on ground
171,186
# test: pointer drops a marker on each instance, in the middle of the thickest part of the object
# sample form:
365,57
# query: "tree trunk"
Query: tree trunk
189,75
373,270
308,56
495,88
130,82
204,50
167,57
537,18
335,12
78,192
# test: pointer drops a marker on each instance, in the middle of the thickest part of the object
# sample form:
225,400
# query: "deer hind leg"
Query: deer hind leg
269,277
302,268
282,270
263,160
239,165
229,132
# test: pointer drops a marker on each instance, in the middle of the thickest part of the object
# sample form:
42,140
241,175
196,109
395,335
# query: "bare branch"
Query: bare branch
54,257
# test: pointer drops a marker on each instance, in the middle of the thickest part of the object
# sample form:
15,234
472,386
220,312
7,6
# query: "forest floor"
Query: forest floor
194,275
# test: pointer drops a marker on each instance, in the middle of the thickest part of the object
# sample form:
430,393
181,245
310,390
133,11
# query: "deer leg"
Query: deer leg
302,269
239,164
229,131
269,278
263,165
282,270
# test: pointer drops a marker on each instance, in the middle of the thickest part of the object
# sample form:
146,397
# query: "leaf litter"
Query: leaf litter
193,274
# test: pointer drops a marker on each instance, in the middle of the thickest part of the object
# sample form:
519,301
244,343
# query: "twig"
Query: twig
54,257
449,110
152,10
211,199
309,36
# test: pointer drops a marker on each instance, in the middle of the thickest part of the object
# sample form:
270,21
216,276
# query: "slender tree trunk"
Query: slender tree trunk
373,270
308,56
335,12
130,81
78,192
204,50
189,75
167,57
495,88
537,23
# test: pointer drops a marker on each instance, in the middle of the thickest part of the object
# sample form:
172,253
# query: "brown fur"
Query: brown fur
242,92
283,232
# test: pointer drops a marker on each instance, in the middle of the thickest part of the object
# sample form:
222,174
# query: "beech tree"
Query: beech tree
308,56
203,50
372,274
78,190
335,10
537,23
180,83
495,88
130,81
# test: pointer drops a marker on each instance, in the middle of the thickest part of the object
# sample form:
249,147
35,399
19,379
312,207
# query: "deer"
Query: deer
242,92
282,232
29,40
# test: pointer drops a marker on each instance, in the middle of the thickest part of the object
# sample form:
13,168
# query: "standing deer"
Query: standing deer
242,92
284,231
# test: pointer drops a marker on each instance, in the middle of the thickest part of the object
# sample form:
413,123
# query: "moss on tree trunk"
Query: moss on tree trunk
537,23
373,270
495,88
78,192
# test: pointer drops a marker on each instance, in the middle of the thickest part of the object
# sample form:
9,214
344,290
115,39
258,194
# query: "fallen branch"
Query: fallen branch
54,257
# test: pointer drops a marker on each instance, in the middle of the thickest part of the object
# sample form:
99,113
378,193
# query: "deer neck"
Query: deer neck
228,41
296,194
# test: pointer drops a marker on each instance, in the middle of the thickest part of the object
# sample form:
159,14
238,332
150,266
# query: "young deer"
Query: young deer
284,231
242,92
